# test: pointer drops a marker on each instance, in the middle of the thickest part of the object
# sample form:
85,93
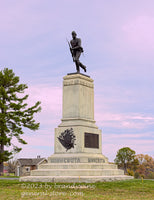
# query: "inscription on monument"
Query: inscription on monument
65,160
91,140
76,160
96,160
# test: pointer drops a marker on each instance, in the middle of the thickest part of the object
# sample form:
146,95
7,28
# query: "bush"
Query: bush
150,175
136,175
130,172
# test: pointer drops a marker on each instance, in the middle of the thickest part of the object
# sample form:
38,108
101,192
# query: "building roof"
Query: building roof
30,161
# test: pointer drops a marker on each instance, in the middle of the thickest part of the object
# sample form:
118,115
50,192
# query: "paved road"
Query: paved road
9,178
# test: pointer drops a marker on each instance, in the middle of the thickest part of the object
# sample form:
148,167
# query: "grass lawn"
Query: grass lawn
119,190
9,175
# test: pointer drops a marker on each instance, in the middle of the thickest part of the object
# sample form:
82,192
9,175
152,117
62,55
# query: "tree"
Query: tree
14,114
146,166
12,166
125,156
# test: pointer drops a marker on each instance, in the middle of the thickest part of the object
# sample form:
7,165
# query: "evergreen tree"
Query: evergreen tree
14,114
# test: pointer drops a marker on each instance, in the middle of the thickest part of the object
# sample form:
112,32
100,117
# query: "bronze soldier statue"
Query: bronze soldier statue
76,51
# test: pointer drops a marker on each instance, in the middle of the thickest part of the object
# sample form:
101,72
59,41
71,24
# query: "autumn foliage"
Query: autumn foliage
145,167
139,165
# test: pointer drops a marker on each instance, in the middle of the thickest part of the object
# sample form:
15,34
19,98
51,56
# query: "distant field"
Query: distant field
119,190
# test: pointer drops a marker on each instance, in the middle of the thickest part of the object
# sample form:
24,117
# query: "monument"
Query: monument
78,141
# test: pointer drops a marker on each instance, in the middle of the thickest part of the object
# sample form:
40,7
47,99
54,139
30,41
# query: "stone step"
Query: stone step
74,179
76,172
77,166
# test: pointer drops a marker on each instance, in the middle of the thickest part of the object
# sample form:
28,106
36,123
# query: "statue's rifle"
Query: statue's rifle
70,49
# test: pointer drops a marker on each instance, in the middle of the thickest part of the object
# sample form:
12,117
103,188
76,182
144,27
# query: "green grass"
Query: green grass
10,175
119,190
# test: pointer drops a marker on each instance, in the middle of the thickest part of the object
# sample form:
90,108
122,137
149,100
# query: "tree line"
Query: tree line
139,165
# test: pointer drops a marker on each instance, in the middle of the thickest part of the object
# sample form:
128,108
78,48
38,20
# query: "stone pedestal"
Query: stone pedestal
78,114
78,141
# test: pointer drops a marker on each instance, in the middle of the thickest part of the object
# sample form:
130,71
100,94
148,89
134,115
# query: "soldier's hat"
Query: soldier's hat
73,32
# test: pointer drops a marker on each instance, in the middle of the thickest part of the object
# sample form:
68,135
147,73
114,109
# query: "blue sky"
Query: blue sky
118,41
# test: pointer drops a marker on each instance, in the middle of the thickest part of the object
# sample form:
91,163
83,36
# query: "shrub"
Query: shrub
150,175
136,175
130,172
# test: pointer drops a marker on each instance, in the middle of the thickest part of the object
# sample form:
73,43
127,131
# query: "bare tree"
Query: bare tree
12,166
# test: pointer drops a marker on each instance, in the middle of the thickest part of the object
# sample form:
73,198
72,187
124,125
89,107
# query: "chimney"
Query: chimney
38,156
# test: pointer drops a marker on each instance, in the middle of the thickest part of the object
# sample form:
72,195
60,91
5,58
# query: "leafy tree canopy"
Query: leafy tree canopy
125,156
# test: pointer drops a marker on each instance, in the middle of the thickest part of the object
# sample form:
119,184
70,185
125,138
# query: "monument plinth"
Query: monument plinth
78,114
78,141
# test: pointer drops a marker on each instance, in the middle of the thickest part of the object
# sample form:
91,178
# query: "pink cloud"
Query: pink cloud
120,120
129,136
110,148
50,96
51,102
139,33
40,142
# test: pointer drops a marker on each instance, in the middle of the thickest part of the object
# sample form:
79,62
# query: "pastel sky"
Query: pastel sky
118,41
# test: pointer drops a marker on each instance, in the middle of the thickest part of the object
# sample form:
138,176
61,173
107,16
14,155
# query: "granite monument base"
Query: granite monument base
68,168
